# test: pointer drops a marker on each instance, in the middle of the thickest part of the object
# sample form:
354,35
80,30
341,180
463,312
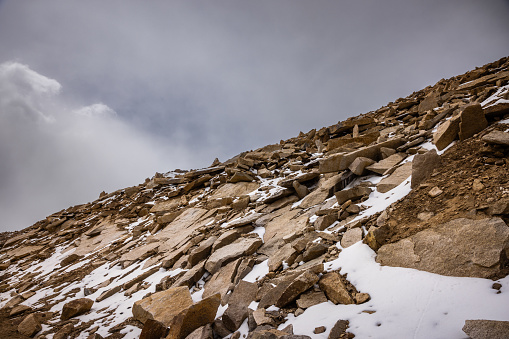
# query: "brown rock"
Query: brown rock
497,138
351,236
153,329
241,176
192,276
361,298
201,252
163,306
435,192
30,325
76,307
486,329
301,284
334,289
193,317
352,194
423,166
310,299
221,282
447,133
461,247
204,332
314,250
227,254
237,311
248,219
395,179
338,329
64,332
324,221
286,253
358,165
19,309
472,121
301,190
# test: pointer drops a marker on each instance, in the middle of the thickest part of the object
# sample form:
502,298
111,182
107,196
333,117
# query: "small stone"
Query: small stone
496,286
298,312
361,298
477,185
76,307
319,329
435,192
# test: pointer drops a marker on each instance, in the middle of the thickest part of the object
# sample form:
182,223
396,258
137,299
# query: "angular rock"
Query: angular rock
30,325
227,254
472,121
352,194
64,332
248,219
192,276
201,252
163,306
301,190
204,332
300,285
486,329
497,138
447,133
358,165
19,309
237,311
241,176
285,254
310,299
153,329
395,179
461,247
351,236
76,307
324,221
109,293
314,250
339,329
334,289
423,166
221,282
193,317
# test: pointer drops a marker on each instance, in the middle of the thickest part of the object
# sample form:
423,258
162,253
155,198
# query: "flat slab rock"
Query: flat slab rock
486,329
461,247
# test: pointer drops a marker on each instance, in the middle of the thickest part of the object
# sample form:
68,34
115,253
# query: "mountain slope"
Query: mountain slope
390,224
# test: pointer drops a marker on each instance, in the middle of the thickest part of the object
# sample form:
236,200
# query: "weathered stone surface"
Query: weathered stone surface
498,109
322,192
243,294
193,317
314,250
76,307
300,189
461,247
447,133
338,329
30,325
168,217
334,289
203,332
311,298
383,165
358,165
23,251
395,179
163,306
19,309
472,121
165,206
304,177
497,138
324,221
430,101
140,253
64,332
70,259
221,282
423,166
352,194
108,293
189,278
201,252
234,189
341,161
226,254
300,285
285,254
245,220
351,236
486,329
153,329
140,278
241,176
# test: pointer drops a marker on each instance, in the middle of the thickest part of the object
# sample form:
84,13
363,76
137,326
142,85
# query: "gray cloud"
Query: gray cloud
217,78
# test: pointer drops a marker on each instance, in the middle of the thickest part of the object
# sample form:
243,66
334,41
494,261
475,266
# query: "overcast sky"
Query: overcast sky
98,95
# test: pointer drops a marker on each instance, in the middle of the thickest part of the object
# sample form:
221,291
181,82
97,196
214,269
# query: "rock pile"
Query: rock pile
238,247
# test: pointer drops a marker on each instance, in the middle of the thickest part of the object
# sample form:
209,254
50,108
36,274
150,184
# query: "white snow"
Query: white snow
408,303
257,272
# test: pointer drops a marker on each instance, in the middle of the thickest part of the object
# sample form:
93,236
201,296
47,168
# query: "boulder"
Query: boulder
314,250
334,289
358,165
224,255
300,189
64,332
354,193
221,282
461,247
204,332
298,286
76,307
310,299
192,276
324,221
447,133
19,309
30,325
395,179
486,329
472,121
423,166
497,138
241,177
153,329
163,306
201,252
387,163
237,311
194,317
285,254
351,236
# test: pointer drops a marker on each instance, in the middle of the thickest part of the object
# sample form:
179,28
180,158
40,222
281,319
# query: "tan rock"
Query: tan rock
300,285
353,193
226,254
30,325
461,247
301,190
311,298
234,189
435,192
423,166
163,306
497,138
221,282
486,329
358,165
351,237
472,121
153,329
447,133
241,176
395,179
334,288
285,254
237,311
201,252
76,307
203,332
193,317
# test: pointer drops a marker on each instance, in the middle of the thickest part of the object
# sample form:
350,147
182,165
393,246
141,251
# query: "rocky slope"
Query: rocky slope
294,239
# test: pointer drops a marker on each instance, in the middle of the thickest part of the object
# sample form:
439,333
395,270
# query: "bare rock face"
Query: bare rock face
472,121
486,329
194,317
163,306
30,325
76,307
461,247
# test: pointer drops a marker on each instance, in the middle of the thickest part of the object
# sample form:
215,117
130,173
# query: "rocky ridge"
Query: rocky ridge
240,247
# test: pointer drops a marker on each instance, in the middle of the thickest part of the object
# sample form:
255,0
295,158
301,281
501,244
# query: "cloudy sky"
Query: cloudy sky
98,95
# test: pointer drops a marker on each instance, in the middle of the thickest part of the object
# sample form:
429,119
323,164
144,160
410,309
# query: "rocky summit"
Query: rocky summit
391,224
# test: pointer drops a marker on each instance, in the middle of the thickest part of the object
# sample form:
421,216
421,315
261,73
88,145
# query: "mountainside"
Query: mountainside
391,224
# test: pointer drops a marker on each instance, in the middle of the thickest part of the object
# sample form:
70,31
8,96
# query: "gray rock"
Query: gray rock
351,236
461,247
395,179
486,329
447,133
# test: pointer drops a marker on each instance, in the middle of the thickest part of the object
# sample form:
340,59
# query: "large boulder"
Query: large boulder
163,306
335,289
76,307
461,247
472,121
423,166
447,133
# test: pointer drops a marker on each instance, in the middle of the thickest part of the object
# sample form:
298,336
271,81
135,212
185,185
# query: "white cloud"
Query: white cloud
54,155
